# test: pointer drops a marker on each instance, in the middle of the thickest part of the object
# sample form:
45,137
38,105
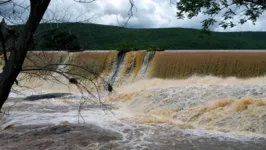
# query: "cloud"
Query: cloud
19,6
148,14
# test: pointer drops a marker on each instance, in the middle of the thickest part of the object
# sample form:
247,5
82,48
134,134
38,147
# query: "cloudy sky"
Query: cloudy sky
148,14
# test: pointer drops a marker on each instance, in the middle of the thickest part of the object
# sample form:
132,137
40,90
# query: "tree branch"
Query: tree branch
5,2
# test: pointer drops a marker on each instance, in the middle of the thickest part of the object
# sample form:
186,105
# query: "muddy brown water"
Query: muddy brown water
198,113
37,125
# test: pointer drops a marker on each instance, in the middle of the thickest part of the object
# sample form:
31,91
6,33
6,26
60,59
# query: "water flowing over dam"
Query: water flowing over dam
188,99
120,67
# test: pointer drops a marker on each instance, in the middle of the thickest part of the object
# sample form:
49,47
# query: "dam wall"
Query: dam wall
125,67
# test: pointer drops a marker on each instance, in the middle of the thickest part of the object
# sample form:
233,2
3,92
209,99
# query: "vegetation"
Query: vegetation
225,13
99,37
19,42
57,39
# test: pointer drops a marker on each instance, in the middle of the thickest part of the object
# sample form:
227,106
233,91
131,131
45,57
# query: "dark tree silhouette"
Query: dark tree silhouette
226,13
13,65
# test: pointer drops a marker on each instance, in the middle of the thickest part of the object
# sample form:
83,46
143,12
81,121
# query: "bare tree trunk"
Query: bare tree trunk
17,56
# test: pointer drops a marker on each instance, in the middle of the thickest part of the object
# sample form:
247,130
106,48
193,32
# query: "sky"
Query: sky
147,14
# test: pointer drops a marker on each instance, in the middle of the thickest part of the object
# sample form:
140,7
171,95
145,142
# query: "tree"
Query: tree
58,39
229,11
22,43
17,56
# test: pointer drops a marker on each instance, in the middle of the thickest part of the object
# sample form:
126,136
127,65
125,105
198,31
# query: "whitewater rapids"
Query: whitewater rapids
201,112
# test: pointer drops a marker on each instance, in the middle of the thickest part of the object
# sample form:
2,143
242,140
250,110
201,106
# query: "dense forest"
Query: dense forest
77,36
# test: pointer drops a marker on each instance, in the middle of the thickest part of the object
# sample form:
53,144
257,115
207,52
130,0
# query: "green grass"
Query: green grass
99,37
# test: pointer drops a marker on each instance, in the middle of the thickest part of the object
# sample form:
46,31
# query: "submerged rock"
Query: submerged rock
46,96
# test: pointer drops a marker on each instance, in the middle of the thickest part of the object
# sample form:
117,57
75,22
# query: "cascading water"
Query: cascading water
118,65
162,100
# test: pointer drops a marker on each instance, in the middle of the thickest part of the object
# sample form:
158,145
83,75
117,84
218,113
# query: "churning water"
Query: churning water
157,104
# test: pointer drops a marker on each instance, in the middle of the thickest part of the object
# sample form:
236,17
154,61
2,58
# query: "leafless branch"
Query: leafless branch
130,12
85,1
5,2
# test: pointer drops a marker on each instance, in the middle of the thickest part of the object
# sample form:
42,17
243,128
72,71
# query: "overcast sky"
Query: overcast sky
148,14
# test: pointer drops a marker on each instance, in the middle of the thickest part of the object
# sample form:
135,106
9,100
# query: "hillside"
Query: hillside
96,37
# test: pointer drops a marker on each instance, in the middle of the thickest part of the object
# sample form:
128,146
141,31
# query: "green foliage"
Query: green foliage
248,10
154,48
126,46
99,37
58,39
